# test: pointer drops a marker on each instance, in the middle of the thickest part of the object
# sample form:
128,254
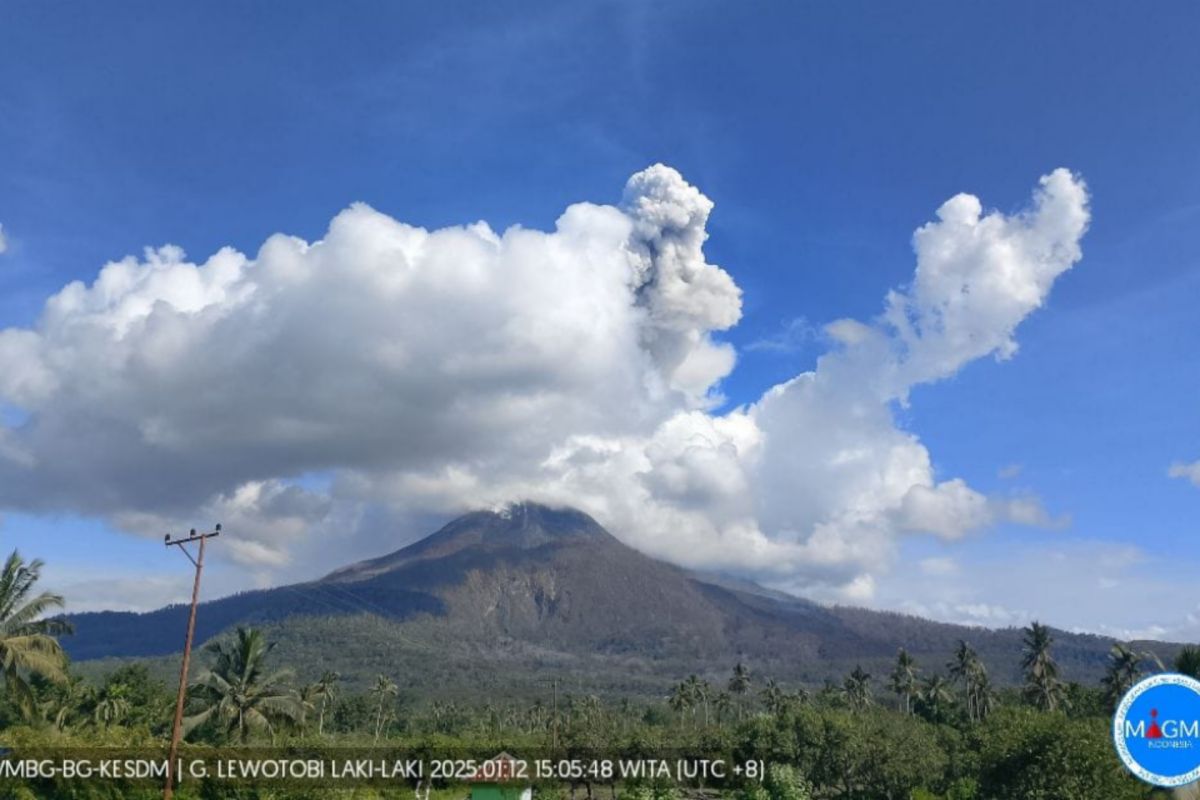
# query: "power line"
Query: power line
362,601
327,602
348,603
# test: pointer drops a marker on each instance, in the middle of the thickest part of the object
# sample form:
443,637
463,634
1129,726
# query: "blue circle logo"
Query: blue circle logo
1157,730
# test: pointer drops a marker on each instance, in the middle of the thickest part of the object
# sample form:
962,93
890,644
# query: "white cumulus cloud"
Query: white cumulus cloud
1186,471
316,396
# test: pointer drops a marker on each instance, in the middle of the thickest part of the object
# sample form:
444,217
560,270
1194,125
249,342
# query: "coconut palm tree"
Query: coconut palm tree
698,691
1123,671
739,684
1042,685
590,710
1187,662
903,679
239,693
383,689
960,668
67,702
112,706
773,697
936,698
967,669
985,696
723,702
536,717
680,700
307,698
857,689
27,643
327,689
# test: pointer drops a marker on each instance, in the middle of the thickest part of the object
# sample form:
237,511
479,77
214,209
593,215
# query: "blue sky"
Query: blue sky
825,134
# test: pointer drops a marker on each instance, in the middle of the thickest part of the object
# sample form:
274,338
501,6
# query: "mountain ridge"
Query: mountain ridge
531,586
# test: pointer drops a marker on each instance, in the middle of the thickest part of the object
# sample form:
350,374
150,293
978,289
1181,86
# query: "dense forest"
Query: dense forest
916,731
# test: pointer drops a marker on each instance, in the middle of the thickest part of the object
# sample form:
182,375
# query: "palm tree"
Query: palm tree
384,688
327,689
1042,685
936,697
773,697
723,702
112,706
698,692
680,700
536,717
1188,661
903,679
27,643
239,692
967,669
590,710
306,701
985,696
857,689
67,702
960,667
739,683
1124,670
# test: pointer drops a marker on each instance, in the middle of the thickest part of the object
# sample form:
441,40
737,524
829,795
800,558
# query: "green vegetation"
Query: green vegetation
27,643
1042,685
239,695
948,736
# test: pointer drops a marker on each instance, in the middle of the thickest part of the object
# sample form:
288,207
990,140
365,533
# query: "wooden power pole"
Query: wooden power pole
177,725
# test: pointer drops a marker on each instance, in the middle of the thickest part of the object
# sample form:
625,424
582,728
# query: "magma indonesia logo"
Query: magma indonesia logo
1157,730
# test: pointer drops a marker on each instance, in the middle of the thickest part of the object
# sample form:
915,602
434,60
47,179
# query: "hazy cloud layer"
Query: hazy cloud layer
792,337
323,393
976,588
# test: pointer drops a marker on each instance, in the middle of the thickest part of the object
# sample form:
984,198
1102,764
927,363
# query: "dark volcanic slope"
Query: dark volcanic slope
553,581
558,579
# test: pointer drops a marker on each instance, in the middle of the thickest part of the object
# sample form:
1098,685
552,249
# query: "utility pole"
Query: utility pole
177,725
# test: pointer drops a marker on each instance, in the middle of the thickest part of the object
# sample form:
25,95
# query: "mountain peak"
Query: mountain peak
527,516
517,526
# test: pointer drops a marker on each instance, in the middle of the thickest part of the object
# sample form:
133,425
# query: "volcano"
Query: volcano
532,589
